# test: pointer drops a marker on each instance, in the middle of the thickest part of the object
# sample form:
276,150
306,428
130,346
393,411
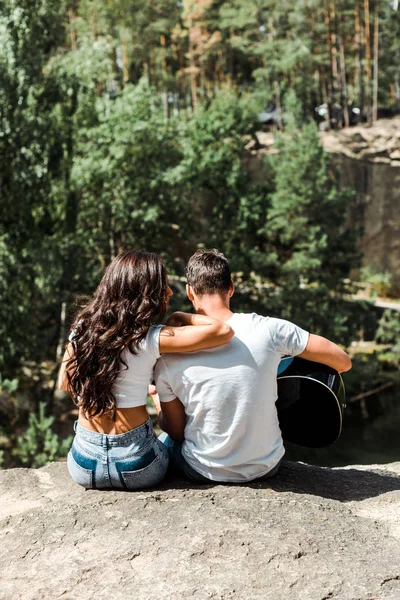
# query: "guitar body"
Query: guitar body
310,402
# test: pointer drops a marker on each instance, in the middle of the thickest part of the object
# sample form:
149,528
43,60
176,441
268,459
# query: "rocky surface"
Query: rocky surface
312,533
369,163
379,143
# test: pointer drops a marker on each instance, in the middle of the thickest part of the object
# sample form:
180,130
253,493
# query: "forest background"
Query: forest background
127,124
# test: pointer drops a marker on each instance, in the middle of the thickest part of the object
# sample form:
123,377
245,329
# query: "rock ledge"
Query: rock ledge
312,533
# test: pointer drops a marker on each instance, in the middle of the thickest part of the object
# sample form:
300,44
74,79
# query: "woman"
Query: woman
108,366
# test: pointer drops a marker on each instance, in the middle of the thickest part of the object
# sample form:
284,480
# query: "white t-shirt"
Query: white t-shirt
229,393
131,385
130,388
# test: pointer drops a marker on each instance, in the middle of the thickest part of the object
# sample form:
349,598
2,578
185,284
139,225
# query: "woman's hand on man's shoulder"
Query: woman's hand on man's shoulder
175,320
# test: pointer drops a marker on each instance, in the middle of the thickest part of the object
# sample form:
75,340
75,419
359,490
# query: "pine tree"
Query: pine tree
308,251
39,445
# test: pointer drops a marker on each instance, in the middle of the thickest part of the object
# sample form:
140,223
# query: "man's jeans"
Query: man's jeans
179,465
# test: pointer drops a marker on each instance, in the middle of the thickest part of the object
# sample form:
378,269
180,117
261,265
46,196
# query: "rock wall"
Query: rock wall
369,160
311,533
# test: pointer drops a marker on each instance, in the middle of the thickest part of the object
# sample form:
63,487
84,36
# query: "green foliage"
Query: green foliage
8,387
27,39
126,124
389,333
8,413
125,171
365,374
379,284
39,445
307,252
389,55
225,203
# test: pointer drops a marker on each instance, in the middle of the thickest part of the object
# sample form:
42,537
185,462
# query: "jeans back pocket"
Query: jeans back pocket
81,468
144,471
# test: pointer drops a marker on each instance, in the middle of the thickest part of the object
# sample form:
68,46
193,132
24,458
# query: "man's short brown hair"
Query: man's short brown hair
208,272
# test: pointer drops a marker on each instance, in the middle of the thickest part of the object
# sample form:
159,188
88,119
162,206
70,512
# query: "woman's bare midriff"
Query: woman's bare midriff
125,420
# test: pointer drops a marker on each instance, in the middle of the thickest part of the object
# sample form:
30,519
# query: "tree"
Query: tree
39,445
222,196
126,172
388,333
308,252
28,38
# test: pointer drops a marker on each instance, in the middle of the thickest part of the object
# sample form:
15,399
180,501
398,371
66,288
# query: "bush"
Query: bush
39,445
389,333
378,284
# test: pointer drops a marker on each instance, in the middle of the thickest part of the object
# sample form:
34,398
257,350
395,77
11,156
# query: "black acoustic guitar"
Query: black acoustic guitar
311,399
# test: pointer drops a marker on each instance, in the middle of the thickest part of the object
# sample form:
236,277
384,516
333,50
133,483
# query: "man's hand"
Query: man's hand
152,392
173,418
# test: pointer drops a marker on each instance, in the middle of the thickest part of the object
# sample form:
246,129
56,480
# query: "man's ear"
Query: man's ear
189,292
231,290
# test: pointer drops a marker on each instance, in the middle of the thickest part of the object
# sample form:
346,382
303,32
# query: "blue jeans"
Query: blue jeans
129,461
179,465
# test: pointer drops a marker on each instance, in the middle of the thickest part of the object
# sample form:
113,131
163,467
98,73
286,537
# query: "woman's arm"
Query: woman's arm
197,332
62,381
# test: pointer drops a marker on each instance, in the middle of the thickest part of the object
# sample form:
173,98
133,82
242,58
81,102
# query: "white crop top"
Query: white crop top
130,388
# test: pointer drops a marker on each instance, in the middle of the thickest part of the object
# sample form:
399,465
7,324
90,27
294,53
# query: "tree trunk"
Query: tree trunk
182,86
343,83
125,59
329,83
359,68
229,75
94,25
276,87
376,50
368,63
219,68
163,43
62,336
321,95
192,66
278,104
111,239
70,223
332,19
72,31
396,78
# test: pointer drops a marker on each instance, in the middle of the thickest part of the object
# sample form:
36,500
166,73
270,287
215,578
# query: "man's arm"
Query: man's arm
321,350
171,415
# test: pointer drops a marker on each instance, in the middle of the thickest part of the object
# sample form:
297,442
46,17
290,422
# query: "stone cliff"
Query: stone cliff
312,533
369,162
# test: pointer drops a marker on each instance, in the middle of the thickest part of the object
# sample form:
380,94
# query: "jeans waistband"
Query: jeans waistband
99,439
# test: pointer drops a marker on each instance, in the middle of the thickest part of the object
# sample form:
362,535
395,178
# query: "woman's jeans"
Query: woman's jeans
129,461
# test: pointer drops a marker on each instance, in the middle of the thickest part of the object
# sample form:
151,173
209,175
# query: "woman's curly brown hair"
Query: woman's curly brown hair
130,298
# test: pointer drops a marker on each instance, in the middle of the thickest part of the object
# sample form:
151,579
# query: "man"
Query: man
221,402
